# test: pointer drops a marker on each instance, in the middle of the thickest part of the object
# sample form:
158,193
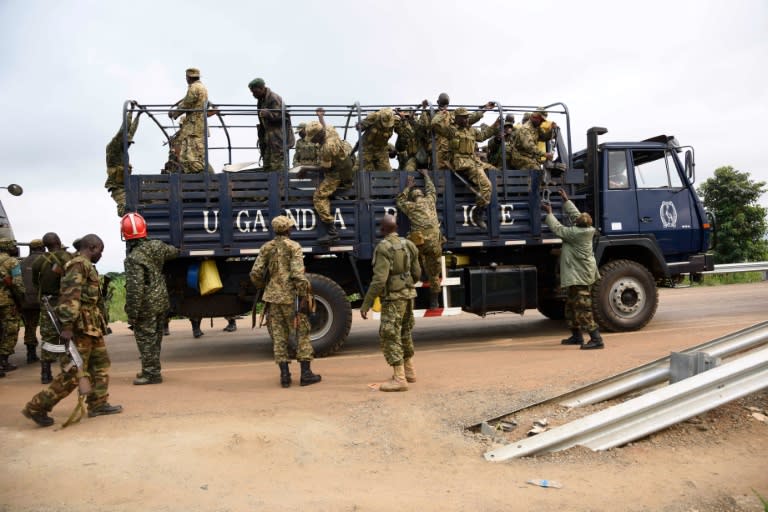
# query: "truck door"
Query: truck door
664,206
618,195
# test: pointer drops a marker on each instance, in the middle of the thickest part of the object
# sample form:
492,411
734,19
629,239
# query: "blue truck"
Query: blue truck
652,227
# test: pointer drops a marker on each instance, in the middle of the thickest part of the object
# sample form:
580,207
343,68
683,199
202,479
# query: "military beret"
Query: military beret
282,223
509,120
36,244
256,82
461,111
313,128
6,244
193,73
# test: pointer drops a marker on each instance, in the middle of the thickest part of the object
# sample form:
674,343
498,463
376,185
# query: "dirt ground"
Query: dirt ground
221,435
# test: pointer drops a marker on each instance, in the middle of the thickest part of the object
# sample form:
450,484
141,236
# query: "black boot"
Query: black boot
330,236
434,301
478,217
41,418
46,377
6,365
575,339
105,409
285,375
595,341
31,354
2,374
231,326
307,377
196,332
166,330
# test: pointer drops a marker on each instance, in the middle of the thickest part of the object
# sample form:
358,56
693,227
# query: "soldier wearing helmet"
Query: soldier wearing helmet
375,131
420,207
279,269
146,294
189,138
11,294
441,125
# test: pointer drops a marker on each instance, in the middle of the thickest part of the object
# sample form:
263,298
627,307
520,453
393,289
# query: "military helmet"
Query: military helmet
193,73
387,117
461,111
509,120
7,244
313,128
36,244
133,226
443,99
282,224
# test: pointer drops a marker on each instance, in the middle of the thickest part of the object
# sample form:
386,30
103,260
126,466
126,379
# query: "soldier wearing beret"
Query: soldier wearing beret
279,269
11,296
274,129
192,130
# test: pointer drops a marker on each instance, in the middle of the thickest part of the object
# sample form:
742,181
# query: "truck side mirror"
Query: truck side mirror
690,166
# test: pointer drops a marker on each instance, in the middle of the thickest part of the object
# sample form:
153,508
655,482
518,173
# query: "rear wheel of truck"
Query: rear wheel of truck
626,297
329,326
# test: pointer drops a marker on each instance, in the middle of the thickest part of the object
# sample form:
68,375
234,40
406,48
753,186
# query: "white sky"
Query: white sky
694,69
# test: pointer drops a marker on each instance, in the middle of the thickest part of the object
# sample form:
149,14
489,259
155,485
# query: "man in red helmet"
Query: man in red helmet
146,295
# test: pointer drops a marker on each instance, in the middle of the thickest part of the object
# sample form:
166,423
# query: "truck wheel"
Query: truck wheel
626,297
329,326
552,309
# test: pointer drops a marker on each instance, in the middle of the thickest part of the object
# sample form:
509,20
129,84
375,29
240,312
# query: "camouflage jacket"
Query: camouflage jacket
115,153
422,212
463,142
442,124
494,150
526,144
375,134
47,271
271,127
283,260
333,151
11,282
306,153
146,294
407,142
194,122
79,307
390,282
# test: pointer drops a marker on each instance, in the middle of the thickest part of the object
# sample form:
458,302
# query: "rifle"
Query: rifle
258,298
294,341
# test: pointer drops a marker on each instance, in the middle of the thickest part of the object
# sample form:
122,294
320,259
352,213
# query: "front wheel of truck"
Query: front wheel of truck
625,298
330,324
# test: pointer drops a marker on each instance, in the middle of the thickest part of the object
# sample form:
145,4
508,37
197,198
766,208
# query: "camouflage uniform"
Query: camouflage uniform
393,278
462,144
495,148
425,230
11,295
79,310
333,155
115,183
271,131
31,304
306,153
146,299
407,143
527,154
578,269
377,129
192,129
284,261
441,124
46,276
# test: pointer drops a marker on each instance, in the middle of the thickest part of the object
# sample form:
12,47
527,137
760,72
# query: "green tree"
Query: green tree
741,226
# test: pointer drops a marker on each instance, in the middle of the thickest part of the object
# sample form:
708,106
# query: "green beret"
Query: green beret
256,82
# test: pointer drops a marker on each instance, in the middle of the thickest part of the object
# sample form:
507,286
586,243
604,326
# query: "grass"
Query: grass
732,278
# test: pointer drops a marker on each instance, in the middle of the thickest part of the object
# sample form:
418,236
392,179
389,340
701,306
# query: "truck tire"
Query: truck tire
625,298
552,308
329,326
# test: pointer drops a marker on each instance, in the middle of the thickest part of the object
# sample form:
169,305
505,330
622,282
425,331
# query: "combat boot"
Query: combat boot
231,326
2,374
46,377
143,380
398,382
330,236
575,339
307,377
478,217
166,330
105,409
434,301
41,418
31,354
410,372
196,332
6,365
595,341
285,375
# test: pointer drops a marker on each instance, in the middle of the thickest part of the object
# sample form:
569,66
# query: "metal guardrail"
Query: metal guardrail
752,266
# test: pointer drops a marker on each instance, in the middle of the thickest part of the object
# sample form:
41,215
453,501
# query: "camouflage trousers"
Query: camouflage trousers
116,188
321,198
192,154
118,195
48,334
10,322
281,329
272,159
93,350
578,308
476,175
149,337
376,159
31,319
395,330
429,259
407,163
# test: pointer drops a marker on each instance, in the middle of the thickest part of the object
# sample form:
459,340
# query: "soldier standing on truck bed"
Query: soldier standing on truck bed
279,269
192,129
425,230
271,125
578,272
375,131
395,271
115,183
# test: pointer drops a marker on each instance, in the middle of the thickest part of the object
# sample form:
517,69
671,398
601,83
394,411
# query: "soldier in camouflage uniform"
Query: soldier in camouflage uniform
425,230
30,306
407,143
334,156
115,183
11,295
495,144
146,294
527,154
192,130
441,124
395,271
288,299
306,151
271,125
376,130
82,323
46,277
463,139
578,272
